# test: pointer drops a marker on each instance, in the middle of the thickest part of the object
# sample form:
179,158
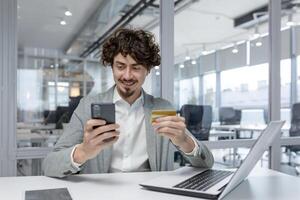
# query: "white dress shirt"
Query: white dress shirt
130,150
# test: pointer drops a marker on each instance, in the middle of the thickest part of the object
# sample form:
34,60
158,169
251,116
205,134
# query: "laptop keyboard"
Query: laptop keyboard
204,180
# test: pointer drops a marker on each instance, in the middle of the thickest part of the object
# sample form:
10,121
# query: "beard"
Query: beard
128,92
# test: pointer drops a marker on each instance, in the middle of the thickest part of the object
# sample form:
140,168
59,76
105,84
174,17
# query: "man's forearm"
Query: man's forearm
188,145
79,155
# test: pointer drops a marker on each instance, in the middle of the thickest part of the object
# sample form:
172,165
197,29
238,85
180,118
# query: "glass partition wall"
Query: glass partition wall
54,73
220,61
49,89
229,59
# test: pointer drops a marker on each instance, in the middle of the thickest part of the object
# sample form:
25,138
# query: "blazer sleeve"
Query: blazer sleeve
58,162
202,158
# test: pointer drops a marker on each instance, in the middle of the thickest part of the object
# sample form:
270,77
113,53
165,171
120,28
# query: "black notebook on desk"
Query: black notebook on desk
48,194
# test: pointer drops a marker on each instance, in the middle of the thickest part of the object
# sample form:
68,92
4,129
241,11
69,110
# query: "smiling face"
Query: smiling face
129,77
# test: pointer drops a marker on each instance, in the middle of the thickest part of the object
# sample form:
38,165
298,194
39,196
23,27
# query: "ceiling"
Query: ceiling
202,21
39,21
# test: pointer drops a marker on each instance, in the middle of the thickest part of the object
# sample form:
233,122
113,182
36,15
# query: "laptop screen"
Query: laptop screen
260,146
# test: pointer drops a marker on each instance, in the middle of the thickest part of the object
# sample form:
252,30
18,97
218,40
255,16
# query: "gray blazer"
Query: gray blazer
160,150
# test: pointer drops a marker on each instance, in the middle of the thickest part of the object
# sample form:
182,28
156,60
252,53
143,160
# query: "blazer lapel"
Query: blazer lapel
150,136
107,152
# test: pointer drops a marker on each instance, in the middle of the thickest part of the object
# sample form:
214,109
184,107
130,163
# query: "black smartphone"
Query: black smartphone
105,111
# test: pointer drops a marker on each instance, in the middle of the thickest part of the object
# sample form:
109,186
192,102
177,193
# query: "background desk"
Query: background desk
249,127
262,184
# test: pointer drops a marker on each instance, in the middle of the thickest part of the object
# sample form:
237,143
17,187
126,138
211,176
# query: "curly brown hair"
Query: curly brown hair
139,44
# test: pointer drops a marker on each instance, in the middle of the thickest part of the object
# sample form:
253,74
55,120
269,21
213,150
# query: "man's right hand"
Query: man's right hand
95,139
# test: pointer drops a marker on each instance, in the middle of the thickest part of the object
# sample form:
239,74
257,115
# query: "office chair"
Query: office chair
230,116
198,119
294,131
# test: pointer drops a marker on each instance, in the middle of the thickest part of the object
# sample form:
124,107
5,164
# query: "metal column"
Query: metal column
293,42
201,90
167,49
8,86
274,76
84,77
218,81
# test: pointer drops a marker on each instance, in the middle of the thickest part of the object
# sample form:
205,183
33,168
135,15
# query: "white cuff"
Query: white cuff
74,164
195,150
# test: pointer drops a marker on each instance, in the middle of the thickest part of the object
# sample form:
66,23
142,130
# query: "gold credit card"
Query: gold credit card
161,113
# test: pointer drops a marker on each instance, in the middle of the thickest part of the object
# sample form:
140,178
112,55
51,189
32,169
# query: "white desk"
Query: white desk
254,127
219,133
263,184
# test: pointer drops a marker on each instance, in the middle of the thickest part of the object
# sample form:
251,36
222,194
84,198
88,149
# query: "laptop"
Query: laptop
213,183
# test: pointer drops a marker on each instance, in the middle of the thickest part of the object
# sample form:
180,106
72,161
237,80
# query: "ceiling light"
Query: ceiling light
63,22
258,43
187,55
157,73
68,13
290,21
235,50
204,51
256,32
194,62
181,66
256,35
51,66
156,67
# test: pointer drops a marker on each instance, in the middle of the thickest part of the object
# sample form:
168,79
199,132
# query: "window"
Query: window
245,87
285,80
209,89
189,91
62,94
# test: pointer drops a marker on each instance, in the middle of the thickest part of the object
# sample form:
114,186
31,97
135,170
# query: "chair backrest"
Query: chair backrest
295,125
198,119
229,115
73,103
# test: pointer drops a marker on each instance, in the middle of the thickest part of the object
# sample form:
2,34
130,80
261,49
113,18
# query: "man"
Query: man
133,143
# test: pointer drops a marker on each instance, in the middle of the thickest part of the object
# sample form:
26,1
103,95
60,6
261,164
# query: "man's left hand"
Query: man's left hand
174,128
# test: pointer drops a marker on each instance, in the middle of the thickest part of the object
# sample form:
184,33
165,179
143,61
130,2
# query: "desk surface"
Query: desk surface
248,127
262,184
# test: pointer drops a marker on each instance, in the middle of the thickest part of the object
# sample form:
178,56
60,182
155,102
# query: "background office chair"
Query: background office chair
294,131
198,119
230,116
